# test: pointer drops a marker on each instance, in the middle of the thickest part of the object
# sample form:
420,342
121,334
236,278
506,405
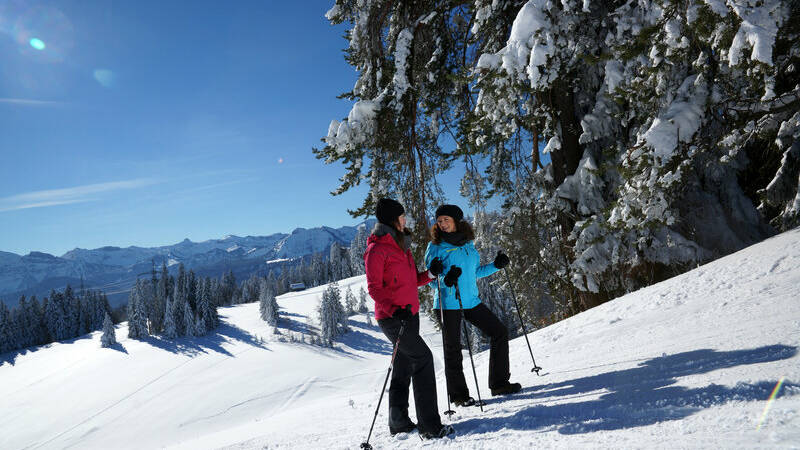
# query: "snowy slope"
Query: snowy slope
689,362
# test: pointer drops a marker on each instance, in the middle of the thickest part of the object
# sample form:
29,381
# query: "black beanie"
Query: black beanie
387,211
452,211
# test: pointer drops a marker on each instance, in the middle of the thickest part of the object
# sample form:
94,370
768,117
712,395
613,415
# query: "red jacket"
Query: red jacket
392,277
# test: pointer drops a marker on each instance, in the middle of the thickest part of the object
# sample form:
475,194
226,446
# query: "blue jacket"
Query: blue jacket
467,258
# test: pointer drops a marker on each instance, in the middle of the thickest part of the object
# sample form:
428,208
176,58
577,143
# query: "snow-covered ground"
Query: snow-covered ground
690,362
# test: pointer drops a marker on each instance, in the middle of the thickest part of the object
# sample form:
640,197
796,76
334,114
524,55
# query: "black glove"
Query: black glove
436,267
452,276
403,313
501,260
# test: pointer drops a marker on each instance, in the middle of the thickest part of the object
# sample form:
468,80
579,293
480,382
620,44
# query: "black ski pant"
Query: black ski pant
490,325
414,361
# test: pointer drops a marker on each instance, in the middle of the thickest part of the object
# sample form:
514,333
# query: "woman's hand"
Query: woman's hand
501,260
436,267
452,276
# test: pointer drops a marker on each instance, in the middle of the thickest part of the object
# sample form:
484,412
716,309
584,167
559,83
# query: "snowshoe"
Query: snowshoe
445,431
469,401
506,389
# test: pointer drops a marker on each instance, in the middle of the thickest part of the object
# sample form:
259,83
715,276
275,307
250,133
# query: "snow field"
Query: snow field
687,363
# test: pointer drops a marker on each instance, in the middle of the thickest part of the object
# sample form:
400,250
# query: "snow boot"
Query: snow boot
506,389
444,431
399,422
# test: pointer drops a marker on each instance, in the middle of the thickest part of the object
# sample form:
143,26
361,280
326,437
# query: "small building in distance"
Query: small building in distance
294,287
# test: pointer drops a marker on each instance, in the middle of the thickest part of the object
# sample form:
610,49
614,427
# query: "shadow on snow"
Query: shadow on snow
638,396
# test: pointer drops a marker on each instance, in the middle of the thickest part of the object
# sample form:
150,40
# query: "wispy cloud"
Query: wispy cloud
77,194
216,185
29,102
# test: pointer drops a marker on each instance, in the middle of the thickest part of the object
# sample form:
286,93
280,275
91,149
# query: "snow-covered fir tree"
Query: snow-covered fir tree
268,306
170,326
349,302
251,289
6,341
627,141
357,248
199,326
362,300
188,321
109,337
205,307
401,51
331,314
137,314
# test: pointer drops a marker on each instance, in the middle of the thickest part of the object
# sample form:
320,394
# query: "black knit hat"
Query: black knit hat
450,210
387,211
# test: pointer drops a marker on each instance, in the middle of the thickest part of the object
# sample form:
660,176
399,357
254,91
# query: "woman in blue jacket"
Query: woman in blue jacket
452,245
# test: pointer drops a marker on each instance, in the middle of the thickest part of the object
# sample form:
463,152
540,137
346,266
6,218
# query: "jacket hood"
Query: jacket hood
384,233
381,229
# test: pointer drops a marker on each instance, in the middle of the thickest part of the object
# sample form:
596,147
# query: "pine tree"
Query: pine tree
109,337
188,321
37,322
362,300
200,326
178,307
20,318
6,343
228,288
251,289
349,302
357,248
191,290
268,306
332,317
137,314
170,326
72,313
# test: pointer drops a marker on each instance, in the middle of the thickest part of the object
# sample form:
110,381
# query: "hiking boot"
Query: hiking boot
469,401
444,431
506,389
403,429
399,422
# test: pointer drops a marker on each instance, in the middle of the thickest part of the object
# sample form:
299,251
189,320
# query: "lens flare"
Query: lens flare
769,401
105,77
37,43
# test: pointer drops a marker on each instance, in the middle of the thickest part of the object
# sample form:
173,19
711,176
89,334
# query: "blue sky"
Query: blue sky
147,122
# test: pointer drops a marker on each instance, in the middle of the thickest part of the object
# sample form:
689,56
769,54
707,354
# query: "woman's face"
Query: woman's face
446,224
401,222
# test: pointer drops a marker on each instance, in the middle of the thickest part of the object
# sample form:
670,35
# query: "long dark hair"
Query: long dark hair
462,226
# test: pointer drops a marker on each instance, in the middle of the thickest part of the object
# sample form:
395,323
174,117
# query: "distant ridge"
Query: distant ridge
115,269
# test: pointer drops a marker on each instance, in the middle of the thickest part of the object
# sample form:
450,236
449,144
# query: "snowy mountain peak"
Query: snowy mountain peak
114,269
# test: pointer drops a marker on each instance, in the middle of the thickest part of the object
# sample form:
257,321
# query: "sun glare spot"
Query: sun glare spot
105,77
37,44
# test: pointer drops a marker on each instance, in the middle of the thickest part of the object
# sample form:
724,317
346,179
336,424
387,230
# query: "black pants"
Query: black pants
490,325
414,361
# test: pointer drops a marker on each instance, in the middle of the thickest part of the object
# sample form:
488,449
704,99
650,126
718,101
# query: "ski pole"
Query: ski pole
522,322
365,445
449,411
469,345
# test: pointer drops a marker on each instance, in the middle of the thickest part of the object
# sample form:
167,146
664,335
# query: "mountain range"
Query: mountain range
114,269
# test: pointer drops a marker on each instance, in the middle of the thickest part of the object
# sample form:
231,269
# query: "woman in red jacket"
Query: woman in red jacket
392,281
